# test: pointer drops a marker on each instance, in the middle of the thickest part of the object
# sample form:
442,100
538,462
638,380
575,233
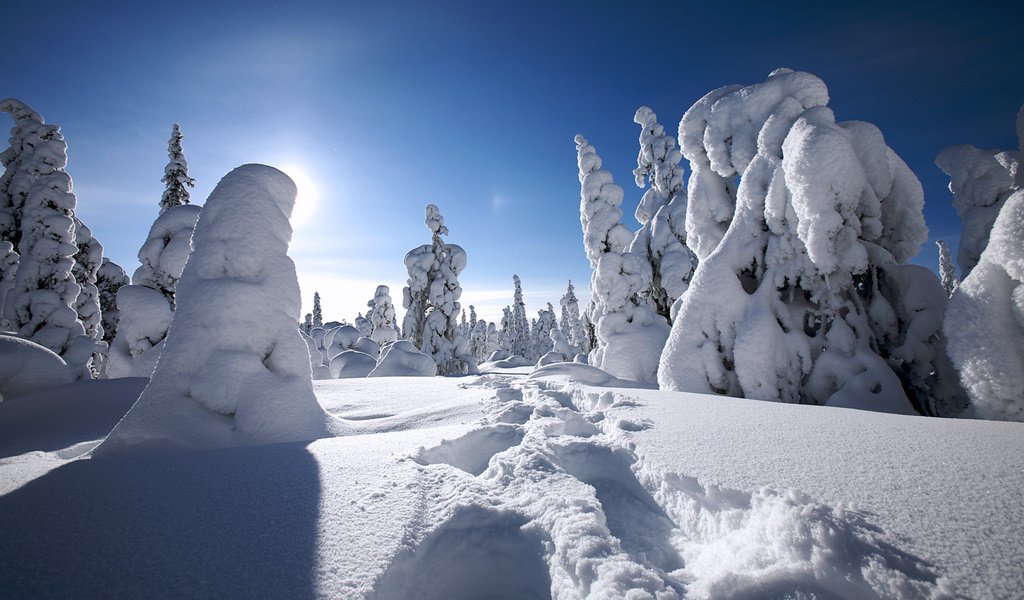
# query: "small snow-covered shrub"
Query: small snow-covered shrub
402,359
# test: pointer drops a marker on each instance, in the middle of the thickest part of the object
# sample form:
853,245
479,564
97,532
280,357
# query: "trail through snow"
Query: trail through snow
549,498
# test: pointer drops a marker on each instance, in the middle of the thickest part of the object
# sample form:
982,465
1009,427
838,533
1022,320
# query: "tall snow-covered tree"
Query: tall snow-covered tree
8,269
382,316
506,334
432,300
87,265
540,333
318,315
662,214
520,338
39,202
571,324
235,370
947,271
176,173
630,333
985,319
807,257
109,279
22,165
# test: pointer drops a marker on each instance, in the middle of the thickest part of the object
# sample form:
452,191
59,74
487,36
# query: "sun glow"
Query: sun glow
308,197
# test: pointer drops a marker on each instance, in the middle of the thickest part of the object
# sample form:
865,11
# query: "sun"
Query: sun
308,196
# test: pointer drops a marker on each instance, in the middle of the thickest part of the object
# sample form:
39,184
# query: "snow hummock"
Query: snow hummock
27,367
234,370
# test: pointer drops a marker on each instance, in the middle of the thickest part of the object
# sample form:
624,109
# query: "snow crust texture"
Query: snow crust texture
235,369
547,498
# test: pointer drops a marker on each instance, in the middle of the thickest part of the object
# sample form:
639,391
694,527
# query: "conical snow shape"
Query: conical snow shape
234,370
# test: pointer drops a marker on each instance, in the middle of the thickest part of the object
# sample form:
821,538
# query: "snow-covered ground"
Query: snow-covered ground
502,486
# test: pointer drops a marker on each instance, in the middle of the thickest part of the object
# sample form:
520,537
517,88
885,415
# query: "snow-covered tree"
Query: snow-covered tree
506,334
39,204
307,324
22,166
235,370
382,317
662,214
87,265
493,341
8,269
985,319
109,279
803,292
981,181
432,300
146,306
318,315
176,174
478,341
630,333
363,325
540,333
571,324
947,271
520,332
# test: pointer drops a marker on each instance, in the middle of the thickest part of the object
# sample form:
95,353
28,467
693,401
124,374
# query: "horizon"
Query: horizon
453,105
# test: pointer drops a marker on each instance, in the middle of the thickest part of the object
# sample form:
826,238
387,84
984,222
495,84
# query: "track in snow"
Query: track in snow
548,498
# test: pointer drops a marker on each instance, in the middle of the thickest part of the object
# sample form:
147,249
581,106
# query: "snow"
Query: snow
498,486
234,369
402,359
27,367
985,320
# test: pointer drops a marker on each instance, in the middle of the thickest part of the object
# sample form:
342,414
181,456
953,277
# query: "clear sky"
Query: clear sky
377,109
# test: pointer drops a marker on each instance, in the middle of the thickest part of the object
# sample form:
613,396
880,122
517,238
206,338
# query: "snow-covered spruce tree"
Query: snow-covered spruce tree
432,300
176,173
981,181
947,271
985,319
109,279
382,317
8,269
540,333
363,325
318,315
21,168
307,324
493,343
472,317
570,323
39,202
662,214
520,332
803,292
146,306
87,265
630,333
478,341
506,333
235,370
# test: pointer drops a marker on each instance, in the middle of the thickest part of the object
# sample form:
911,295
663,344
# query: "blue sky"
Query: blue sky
378,110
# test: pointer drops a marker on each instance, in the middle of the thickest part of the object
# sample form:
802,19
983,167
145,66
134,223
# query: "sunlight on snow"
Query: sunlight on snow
308,195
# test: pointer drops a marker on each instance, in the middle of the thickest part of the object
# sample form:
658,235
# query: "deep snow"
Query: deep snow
503,486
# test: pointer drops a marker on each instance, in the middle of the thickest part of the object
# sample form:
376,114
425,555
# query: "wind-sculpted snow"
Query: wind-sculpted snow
234,369
551,489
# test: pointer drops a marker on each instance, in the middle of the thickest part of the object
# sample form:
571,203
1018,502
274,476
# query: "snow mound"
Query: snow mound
234,370
583,374
402,359
27,367
352,363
